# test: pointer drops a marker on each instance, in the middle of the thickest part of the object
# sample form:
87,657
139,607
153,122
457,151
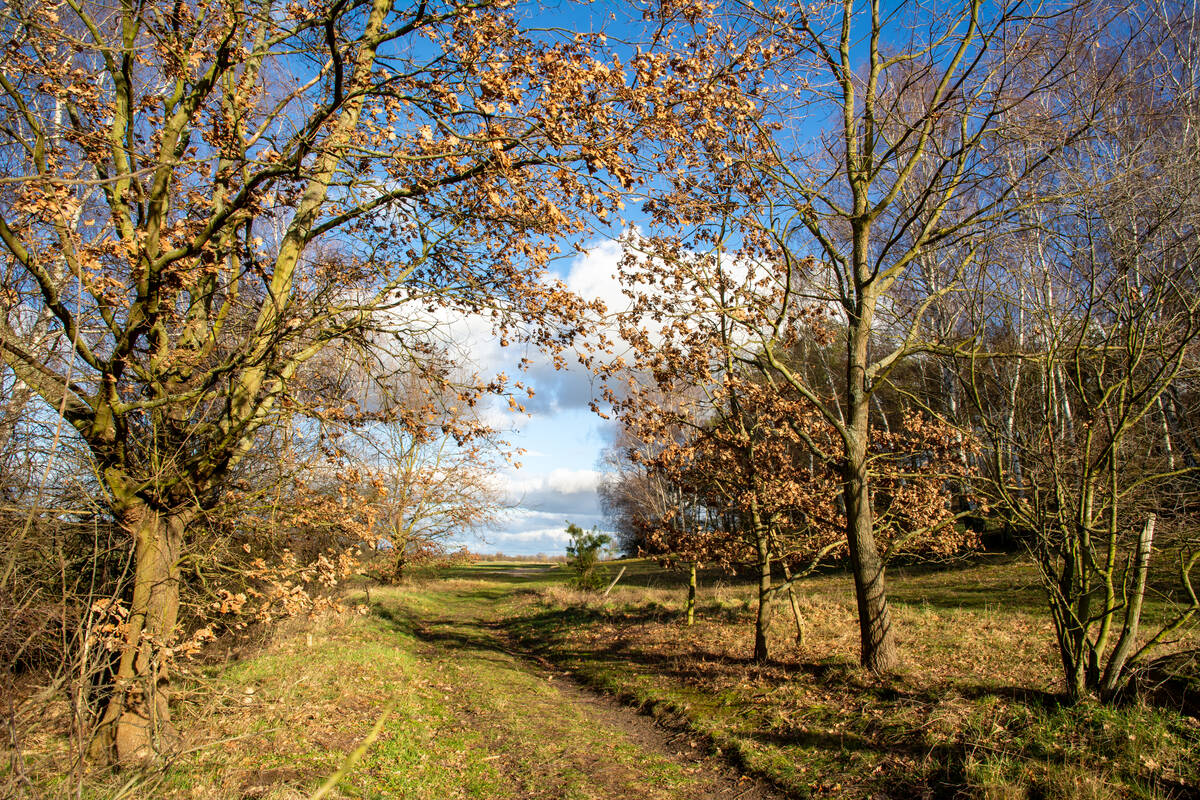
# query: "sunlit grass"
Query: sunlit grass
458,662
974,711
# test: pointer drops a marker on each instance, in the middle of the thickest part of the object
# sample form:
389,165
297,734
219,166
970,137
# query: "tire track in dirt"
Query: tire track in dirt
553,737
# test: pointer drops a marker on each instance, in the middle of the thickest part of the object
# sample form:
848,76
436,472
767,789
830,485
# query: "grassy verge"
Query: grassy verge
277,724
974,712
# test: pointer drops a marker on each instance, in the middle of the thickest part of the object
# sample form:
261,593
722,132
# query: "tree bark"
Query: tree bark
137,717
691,597
879,652
763,620
1115,669
787,576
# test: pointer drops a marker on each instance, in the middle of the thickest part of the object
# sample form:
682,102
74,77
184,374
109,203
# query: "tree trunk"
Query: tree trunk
691,597
1064,608
1115,669
879,652
763,621
787,576
137,717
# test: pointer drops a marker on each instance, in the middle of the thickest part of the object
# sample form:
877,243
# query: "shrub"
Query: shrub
583,554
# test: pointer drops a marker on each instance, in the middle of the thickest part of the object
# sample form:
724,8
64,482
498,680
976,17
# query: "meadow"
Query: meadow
500,680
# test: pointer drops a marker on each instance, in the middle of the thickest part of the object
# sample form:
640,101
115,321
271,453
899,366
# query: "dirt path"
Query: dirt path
549,736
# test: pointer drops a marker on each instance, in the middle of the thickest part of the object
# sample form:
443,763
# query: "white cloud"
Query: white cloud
474,345
556,535
556,495
543,503
526,532
593,274
564,481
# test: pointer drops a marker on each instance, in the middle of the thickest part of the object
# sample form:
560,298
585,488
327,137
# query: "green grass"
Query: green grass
974,711
547,747
311,705
466,717
469,667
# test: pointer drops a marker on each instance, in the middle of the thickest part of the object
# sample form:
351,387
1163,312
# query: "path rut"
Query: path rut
552,737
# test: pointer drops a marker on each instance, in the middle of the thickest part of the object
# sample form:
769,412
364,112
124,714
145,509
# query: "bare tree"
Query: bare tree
1103,325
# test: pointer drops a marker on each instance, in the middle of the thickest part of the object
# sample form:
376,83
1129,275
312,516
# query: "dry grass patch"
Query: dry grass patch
974,711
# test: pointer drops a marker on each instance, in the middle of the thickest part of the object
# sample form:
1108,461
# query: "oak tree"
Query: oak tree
202,197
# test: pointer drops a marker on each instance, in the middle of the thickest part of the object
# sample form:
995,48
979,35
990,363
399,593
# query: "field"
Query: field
498,680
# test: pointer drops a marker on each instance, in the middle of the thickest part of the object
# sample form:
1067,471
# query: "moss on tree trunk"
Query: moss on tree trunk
137,716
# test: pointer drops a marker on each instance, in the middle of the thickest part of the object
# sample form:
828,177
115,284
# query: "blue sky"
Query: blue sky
556,483
562,438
